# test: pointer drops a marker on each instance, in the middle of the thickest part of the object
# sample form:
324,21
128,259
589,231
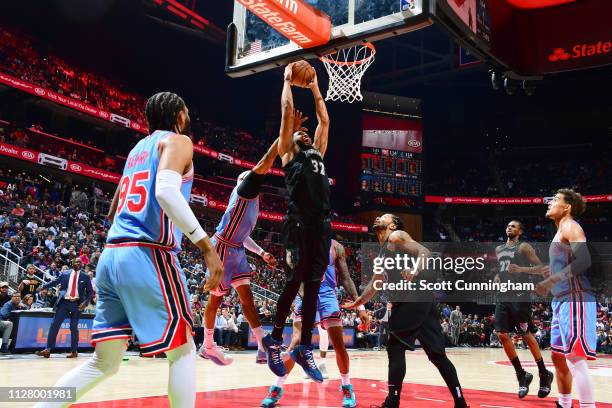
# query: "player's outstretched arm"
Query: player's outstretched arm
266,162
322,132
285,142
251,245
342,268
345,278
176,153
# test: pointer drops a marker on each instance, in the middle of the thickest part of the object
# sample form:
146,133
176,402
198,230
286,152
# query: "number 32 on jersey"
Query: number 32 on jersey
319,167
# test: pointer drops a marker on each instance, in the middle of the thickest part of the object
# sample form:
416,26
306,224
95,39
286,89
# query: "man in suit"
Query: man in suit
74,295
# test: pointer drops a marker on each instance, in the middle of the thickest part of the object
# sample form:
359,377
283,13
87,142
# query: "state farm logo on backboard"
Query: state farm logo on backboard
75,167
28,155
414,143
581,51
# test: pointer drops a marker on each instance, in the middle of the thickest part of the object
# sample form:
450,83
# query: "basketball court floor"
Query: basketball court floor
486,376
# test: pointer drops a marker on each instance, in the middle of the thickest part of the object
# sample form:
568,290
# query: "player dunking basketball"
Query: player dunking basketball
141,287
409,321
516,260
573,336
230,241
329,317
306,231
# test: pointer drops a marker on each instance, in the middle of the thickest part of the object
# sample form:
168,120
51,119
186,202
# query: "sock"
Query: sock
283,306
309,310
517,367
280,381
181,376
449,375
394,392
565,400
323,342
541,367
209,337
397,369
259,334
103,364
583,384
346,379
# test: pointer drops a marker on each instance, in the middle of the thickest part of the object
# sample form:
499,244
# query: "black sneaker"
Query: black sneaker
524,382
390,403
545,383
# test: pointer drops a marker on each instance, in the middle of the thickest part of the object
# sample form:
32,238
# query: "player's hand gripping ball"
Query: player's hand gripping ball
302,74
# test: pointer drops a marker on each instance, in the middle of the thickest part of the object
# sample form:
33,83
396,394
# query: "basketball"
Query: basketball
303,74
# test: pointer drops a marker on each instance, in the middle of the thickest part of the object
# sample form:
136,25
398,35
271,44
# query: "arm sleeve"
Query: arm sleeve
251,185
252,246
170,199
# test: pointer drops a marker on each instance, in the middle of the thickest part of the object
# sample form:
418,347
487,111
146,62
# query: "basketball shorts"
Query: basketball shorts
142,290
514,317
306,248
410,321
236,269
573,329
328,310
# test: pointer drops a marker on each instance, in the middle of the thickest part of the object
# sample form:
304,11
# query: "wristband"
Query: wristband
361,307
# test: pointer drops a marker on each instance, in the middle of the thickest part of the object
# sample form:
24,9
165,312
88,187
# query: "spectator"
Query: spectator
27,302
456,319
30,283
14,304
6,328
4,296
18,211
49,243
220,326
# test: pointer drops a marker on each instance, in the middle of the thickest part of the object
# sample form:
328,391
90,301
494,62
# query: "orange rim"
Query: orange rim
359,62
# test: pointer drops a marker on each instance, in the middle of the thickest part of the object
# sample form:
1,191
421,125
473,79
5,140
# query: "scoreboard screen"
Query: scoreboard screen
475,14
391,161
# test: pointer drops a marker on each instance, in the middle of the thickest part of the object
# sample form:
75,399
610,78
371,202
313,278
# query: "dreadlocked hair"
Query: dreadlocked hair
399,224
162,111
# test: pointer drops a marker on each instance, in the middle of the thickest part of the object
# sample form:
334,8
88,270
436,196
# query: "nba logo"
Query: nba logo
407,5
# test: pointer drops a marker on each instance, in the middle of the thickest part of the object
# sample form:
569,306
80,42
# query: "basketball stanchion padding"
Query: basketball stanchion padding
297,20
345,69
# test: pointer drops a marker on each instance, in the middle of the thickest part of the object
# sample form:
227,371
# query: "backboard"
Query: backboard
254,46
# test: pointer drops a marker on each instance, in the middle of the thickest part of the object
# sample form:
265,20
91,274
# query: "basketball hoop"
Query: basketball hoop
346,68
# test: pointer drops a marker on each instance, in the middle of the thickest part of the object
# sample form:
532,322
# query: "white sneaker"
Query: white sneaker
322,368
216,354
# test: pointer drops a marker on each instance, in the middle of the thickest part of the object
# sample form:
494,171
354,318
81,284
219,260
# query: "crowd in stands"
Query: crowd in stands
536,229
228,140
33,138
514,173
44,227
24,58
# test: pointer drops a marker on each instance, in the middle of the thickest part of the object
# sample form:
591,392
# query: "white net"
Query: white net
346,68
